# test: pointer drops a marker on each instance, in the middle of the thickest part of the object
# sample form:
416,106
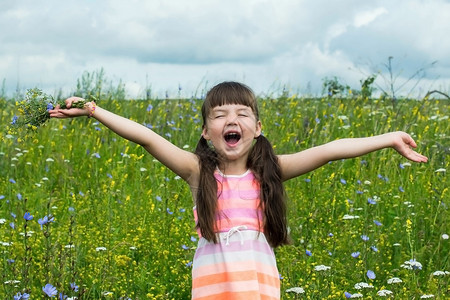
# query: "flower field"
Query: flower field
85,214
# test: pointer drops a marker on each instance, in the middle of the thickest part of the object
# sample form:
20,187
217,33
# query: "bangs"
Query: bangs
229,93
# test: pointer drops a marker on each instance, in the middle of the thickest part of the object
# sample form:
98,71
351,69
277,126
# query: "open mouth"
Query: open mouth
232,137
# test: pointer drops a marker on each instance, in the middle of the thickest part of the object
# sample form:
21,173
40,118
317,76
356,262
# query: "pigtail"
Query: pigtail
206,201
264,163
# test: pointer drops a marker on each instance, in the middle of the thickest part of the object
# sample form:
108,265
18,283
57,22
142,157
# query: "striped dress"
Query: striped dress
242,265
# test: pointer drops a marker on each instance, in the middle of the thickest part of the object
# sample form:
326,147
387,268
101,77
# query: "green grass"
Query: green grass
104,191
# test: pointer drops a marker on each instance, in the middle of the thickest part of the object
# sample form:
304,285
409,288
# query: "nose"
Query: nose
232,119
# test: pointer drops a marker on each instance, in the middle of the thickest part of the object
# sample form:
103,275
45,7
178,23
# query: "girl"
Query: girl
237,185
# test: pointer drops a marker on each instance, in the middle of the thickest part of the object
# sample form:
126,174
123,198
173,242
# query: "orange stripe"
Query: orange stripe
238,296
233,277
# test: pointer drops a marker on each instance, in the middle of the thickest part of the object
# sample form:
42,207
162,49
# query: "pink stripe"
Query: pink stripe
233,213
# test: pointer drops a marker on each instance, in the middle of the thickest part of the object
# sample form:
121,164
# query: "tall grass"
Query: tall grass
123,225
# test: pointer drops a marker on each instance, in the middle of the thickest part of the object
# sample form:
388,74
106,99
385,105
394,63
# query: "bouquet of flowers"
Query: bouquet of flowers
34,109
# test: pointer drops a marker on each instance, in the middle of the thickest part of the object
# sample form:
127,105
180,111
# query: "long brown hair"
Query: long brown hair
262,161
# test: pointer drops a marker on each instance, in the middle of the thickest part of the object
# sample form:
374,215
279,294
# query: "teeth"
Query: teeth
232,136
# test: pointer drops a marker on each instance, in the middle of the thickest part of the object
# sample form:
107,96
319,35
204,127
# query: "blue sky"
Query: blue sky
267,44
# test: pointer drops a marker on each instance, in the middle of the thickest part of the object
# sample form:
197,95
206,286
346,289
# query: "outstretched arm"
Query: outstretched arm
293,165
183,163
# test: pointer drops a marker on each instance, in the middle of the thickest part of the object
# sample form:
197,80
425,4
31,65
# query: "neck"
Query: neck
233,168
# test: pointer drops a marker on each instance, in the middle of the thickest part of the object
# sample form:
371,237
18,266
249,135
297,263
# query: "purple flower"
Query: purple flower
355,254
49,106
371,201
46,220
309,253
20,296
149,107
347,295
14,120
73,287
50,290
370,274
27,216
364,237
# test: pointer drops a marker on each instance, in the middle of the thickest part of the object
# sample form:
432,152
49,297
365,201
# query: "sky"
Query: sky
182,48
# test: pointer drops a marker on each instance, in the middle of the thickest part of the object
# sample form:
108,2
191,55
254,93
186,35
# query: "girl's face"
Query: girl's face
231,128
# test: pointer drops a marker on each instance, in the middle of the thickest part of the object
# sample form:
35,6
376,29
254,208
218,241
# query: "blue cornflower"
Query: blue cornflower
73,287
109,175
374,249
49,106
371,201
347,295
12,225
364,237
355,254
169,212
13,215
19,196
193,239
45,220
12,180
189,264
10,261
20,296
401,189
378,223
50,290
149,107
185,247
158,198
62,296
401,166
14,120
309,253
370,274
2,197
27,216
343,181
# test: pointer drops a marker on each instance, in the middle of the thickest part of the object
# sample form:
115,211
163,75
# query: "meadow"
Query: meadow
96,217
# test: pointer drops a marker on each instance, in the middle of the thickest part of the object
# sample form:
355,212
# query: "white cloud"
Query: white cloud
366,17
266,43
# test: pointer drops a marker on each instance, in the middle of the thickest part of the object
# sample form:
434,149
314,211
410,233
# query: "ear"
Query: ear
205,133
258,129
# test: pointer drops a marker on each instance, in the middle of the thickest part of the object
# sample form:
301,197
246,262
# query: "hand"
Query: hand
69,112
403,144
